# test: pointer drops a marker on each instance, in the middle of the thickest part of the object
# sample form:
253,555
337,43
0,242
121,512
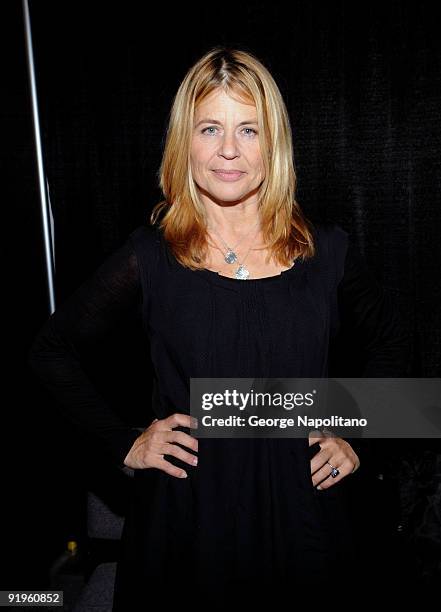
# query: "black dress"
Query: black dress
247,517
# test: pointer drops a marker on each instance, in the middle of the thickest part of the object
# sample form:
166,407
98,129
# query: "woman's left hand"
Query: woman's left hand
334,453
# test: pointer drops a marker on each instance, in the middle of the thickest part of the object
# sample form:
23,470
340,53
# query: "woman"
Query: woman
248,516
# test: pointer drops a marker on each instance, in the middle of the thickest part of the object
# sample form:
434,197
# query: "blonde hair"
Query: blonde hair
285,230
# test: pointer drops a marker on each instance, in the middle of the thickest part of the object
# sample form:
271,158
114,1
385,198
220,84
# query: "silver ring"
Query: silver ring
335,471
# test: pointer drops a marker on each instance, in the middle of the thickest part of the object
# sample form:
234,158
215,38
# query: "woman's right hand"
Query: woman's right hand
158,440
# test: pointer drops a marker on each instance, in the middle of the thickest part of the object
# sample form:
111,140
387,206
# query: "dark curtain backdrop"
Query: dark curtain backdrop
362,83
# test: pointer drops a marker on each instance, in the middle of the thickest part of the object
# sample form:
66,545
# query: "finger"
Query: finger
356,466
323,473
177,451
319,460
178,419
169,468
315,439
182,438
327,467
316,435
344,469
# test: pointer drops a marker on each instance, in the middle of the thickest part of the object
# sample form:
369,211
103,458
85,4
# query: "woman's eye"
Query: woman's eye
248,131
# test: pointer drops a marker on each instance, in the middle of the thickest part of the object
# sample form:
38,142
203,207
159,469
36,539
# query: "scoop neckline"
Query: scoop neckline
230,279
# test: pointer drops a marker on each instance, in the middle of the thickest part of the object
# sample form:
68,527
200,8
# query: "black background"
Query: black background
362,84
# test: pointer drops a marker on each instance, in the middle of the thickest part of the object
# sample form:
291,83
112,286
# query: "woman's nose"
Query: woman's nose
228,146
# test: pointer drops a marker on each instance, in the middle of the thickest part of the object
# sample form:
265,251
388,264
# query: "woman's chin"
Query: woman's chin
228,197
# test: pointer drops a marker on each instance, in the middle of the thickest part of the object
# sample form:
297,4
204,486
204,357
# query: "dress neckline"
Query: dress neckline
262,279
228,280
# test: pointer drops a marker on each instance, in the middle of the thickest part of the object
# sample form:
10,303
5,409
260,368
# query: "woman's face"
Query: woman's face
225,138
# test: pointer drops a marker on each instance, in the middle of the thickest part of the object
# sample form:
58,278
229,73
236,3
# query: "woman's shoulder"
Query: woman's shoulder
329,231
145,239
144,232
331,241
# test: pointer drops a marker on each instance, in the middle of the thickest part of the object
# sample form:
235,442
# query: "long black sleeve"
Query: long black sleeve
373,340
371,321
54,356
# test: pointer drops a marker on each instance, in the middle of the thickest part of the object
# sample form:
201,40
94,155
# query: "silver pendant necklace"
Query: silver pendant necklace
230,256
241,273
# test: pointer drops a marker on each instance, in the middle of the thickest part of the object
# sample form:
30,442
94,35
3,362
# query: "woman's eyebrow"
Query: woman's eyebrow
252,121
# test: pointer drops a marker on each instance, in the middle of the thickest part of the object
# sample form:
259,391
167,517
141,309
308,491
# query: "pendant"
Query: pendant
242,273
230,256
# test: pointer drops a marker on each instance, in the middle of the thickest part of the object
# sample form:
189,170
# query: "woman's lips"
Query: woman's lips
229,176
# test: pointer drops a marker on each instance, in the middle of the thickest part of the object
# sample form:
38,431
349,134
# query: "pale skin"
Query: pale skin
225,137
